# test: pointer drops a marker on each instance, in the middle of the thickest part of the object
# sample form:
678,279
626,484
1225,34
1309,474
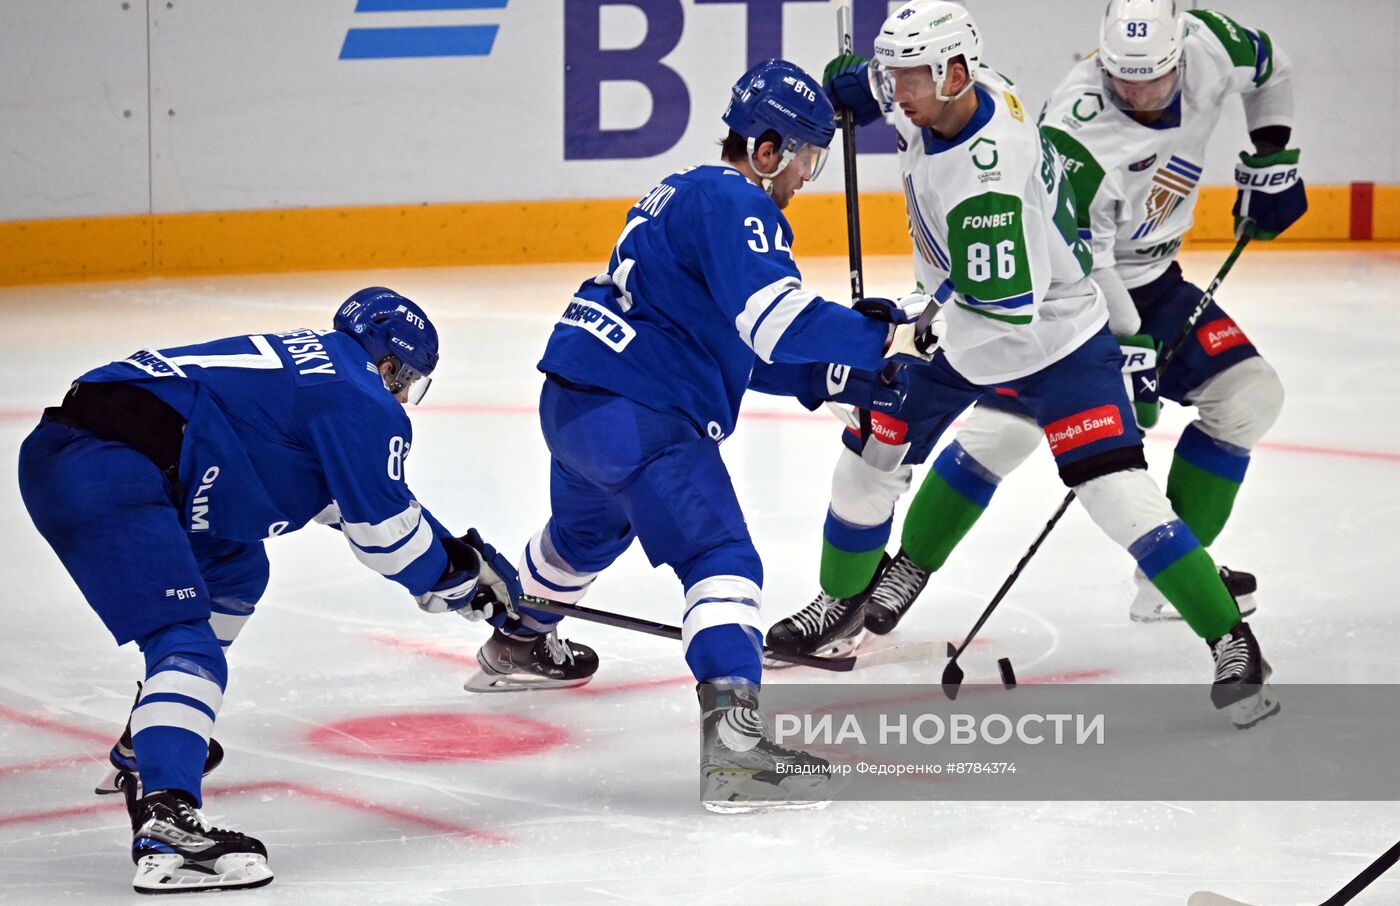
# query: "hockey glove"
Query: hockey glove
914,328
1270,192
879,392
1140,377
846,81
479,582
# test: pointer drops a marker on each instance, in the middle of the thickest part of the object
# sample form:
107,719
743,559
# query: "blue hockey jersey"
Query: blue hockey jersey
288,427
701,287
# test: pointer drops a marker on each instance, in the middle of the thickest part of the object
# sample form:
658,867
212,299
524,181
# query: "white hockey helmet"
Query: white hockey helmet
926,33
1141,41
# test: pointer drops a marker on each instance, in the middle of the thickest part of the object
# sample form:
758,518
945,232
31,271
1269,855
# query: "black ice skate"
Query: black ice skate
1150,606
897,585
123,758
1242,678
177,851
514,663
742,769
828,627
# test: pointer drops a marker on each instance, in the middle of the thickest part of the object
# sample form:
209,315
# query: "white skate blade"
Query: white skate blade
481,681
108,784
1206,898
1151,607
165,873
837,648
1250,711
738,793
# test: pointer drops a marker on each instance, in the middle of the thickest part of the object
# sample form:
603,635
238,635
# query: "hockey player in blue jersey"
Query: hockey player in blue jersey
645,371
158,479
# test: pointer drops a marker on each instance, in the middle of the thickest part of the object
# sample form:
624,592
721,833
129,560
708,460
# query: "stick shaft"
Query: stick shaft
1363,880
667,631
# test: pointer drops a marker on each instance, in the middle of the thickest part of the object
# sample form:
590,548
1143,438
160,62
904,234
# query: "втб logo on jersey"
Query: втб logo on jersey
420,41
1171,185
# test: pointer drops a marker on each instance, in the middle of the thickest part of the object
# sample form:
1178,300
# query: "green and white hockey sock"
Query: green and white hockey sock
1205,478
954,495
1172,557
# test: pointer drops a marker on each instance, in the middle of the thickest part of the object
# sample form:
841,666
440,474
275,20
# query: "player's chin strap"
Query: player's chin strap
766,179
938,88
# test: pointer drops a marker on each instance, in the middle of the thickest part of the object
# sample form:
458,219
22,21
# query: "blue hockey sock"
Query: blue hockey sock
720,630
185,678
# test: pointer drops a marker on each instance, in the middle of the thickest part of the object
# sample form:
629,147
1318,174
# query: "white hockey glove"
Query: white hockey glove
910,334
917,336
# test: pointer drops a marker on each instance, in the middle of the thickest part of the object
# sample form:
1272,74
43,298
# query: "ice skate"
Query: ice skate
827,627
514,663
1242,678
123,759
742,769
177,851
1150,606
897,585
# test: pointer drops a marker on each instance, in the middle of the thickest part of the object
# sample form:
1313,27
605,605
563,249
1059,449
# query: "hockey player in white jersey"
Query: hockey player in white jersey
1133,122
644,375
992,215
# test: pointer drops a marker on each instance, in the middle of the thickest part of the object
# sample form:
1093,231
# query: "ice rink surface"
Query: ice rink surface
354,754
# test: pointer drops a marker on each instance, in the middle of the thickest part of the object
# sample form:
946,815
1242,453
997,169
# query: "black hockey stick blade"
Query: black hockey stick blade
952,676
666,631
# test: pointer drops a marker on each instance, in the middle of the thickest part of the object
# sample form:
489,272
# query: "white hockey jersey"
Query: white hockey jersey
995,239
1137,185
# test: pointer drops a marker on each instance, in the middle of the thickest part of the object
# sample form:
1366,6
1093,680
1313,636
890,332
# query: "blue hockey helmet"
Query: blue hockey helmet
394,329
777,95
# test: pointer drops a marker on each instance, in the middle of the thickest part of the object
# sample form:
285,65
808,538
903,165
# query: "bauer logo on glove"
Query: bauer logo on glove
1271,193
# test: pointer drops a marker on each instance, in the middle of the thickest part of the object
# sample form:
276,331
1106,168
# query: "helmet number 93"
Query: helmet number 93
1136,30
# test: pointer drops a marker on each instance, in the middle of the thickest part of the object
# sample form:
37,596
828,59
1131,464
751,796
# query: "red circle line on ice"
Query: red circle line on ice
437,737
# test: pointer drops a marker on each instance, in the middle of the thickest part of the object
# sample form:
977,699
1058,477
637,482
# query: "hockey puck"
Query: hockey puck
1008,676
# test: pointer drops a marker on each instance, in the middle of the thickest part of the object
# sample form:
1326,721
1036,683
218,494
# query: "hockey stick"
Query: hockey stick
895,655
953,674
1357,884
845,42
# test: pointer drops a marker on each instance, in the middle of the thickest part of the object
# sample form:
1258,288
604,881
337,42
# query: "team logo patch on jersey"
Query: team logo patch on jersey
1220,335
1143,164
1082,428
1172,184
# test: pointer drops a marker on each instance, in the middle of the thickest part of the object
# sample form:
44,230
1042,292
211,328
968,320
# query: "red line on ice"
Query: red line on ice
49,764
594,688
55,726
423,648
115,803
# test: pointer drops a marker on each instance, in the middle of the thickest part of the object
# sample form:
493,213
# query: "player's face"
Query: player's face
806,163
916,93
1146,97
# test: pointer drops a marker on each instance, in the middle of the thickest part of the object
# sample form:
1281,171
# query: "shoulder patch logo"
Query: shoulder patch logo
1143,164
1014,106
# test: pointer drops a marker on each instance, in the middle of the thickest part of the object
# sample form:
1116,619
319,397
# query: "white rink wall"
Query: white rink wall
160,106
